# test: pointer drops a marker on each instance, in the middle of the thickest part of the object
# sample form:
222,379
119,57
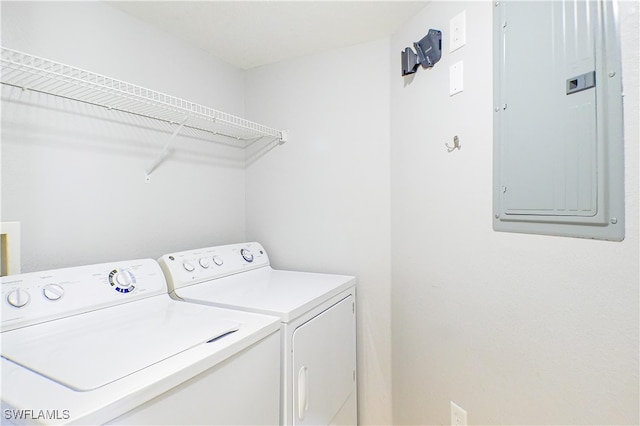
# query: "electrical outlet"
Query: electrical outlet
458,31
458,415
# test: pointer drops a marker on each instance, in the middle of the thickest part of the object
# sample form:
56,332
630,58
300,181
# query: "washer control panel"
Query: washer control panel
36,297
195,266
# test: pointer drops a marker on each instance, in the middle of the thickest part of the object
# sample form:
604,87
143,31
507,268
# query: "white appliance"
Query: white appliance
106,344
318,322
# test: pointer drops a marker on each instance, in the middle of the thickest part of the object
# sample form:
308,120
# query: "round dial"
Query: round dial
247,255
122,281
53,291
18,298
188,266
218,260
124,278
205,262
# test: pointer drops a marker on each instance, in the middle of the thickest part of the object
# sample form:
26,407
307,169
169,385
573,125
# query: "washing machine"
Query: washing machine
318,322
105,344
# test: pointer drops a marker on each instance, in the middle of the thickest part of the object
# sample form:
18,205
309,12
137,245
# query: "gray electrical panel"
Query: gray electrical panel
558,142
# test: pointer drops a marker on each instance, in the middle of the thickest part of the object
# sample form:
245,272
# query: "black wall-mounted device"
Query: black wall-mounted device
428,52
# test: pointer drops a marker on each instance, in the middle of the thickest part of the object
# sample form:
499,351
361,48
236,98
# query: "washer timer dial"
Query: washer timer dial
247,255
122,280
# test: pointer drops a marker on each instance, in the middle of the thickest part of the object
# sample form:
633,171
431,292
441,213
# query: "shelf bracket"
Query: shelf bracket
284,137
164,151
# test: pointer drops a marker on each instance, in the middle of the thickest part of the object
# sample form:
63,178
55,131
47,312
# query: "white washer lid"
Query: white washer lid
90,350
286,294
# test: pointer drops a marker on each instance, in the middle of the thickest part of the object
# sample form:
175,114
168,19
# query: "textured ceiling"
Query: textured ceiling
248,34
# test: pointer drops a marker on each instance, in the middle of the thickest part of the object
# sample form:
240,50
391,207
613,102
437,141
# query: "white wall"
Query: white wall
73,174
320,202
516,329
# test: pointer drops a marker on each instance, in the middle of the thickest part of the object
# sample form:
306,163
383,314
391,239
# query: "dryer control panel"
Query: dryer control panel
195,266
37,297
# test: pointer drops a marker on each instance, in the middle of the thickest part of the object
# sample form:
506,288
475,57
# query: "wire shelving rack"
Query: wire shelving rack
30,72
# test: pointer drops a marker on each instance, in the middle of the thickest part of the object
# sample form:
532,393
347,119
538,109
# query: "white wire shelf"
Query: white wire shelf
30,72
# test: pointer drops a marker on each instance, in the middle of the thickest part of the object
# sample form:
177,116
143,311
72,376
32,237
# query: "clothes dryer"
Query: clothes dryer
106,344
318,322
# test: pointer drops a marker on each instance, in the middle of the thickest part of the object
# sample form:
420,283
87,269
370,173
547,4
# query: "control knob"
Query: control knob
18,298
122,281
124,278
53,291
205,262
247,255
188,266
218,260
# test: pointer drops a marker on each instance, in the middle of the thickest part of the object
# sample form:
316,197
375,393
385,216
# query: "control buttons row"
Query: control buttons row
205,262
20,297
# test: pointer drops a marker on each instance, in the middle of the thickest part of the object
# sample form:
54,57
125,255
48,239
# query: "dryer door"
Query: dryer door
324,364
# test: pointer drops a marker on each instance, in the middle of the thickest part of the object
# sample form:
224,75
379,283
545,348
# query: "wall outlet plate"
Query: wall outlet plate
458,415
458,31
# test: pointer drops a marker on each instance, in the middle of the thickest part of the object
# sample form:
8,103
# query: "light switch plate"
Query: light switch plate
455,78
457,31
458,415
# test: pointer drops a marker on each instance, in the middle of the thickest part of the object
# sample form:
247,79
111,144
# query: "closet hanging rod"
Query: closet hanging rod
45,76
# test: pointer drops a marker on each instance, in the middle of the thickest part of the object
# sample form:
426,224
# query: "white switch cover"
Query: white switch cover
458,415
457,31
455,78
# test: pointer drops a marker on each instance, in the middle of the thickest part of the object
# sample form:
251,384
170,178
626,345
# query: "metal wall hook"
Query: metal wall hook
456,144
